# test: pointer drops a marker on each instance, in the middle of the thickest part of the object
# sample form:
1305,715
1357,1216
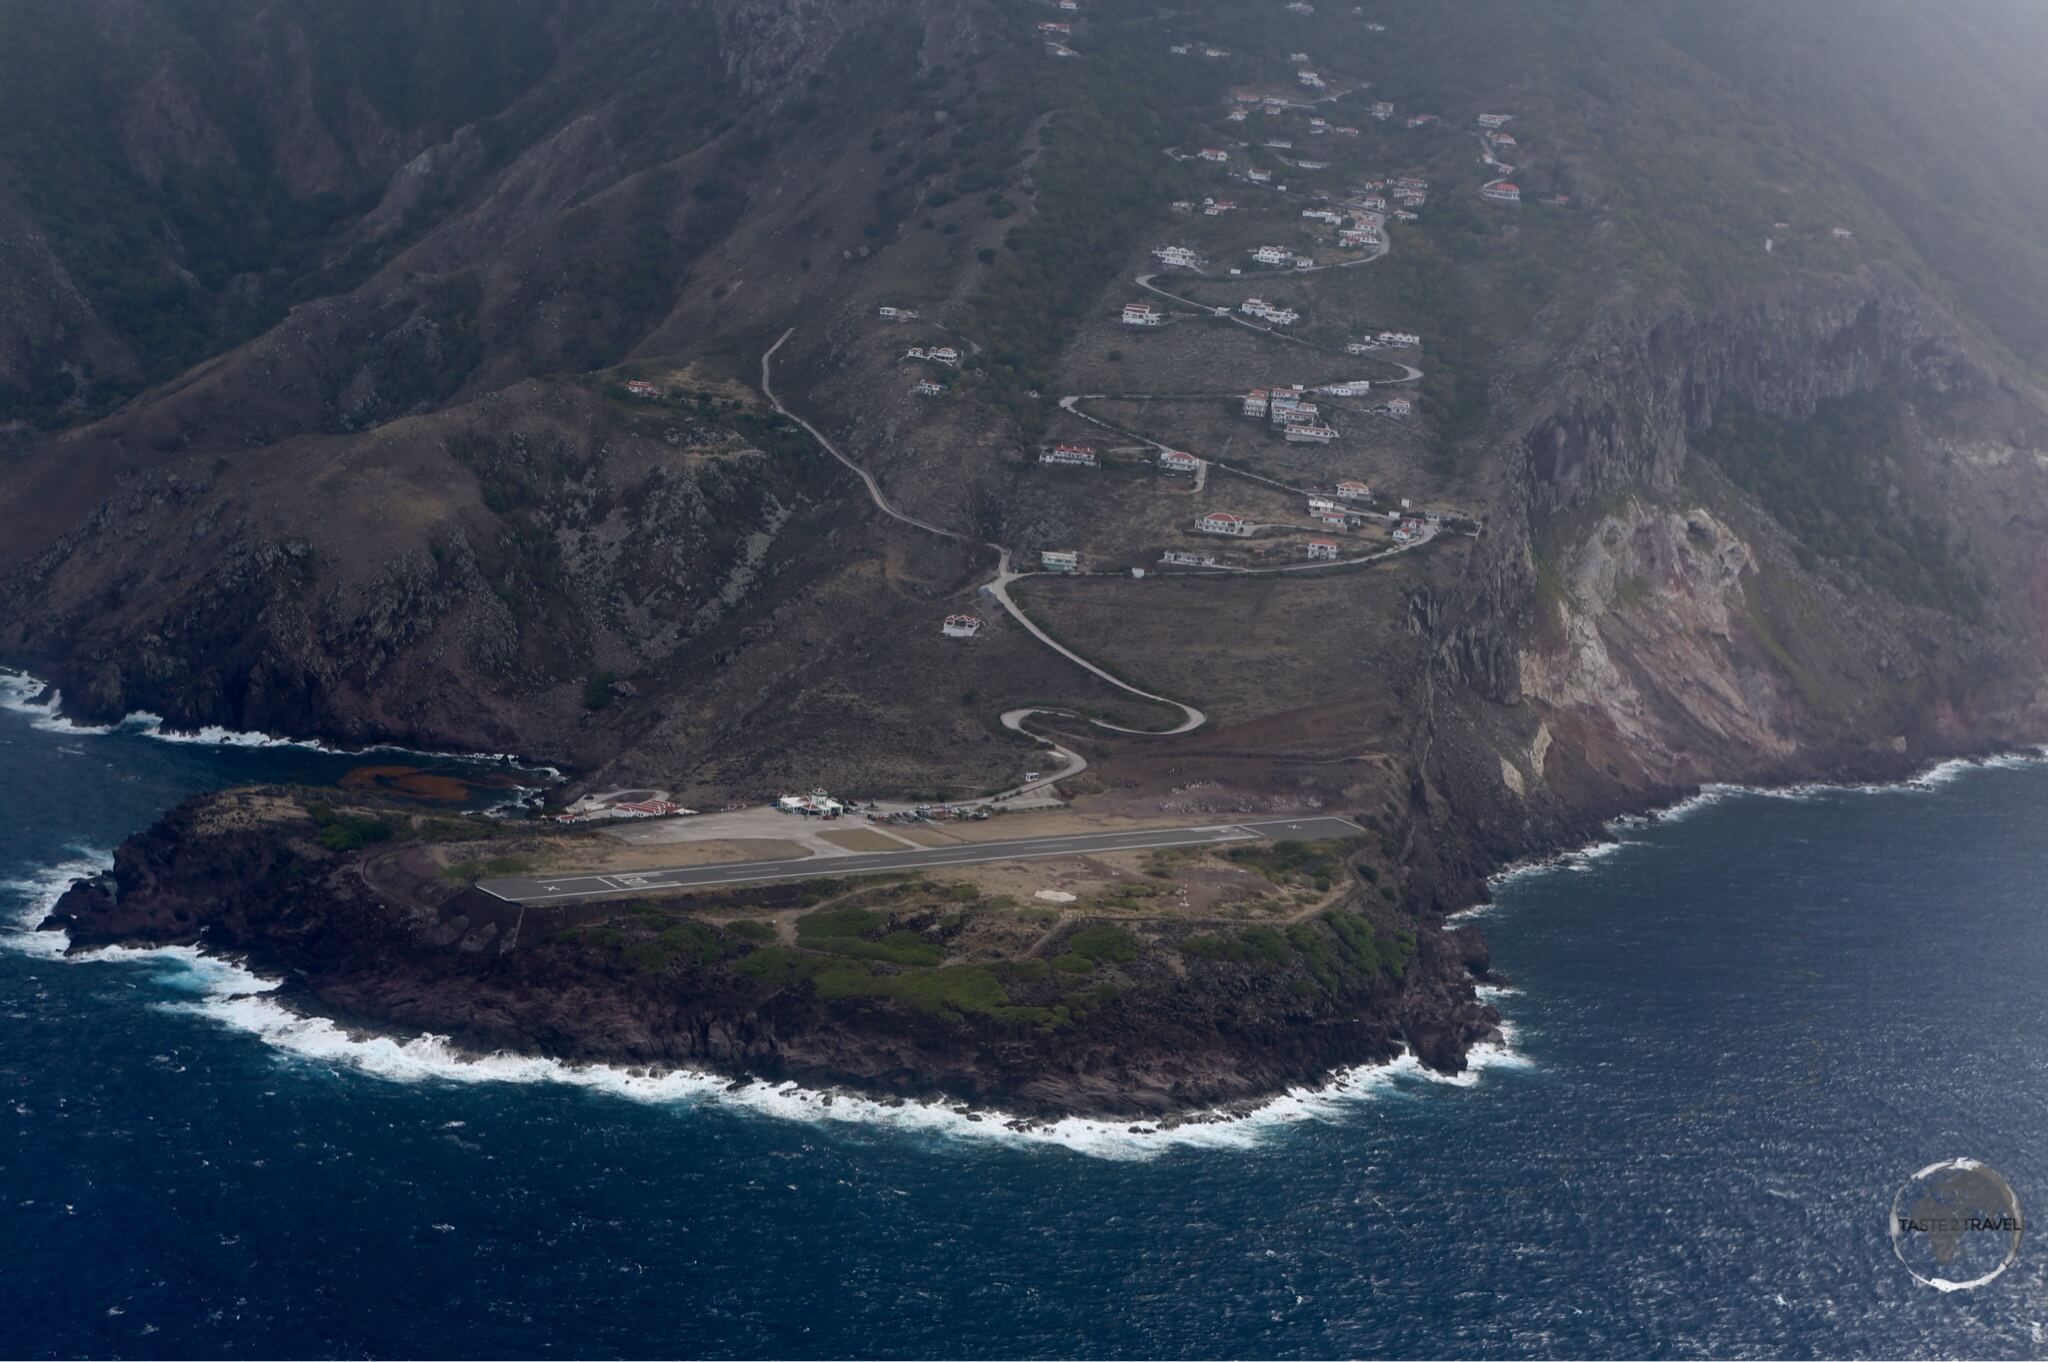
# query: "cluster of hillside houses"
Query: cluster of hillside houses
1289,408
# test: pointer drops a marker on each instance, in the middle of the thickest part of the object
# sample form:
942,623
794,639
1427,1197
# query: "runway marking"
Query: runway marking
1023,848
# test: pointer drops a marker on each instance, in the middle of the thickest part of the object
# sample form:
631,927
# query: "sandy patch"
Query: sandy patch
596,854
863,839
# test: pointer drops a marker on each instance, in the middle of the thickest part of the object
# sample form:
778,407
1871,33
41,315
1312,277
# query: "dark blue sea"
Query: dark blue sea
1734,1034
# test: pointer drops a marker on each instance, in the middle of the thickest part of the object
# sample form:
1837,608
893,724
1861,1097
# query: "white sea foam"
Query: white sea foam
18,692
36,894
236,997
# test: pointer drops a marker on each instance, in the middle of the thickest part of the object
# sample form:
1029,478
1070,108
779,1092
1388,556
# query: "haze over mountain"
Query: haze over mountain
317,319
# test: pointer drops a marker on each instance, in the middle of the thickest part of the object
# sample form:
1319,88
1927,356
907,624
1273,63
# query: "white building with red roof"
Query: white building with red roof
1224,522
1322,548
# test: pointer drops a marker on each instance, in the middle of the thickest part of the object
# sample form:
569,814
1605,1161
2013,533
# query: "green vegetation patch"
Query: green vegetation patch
1317,864
349,831
1832,482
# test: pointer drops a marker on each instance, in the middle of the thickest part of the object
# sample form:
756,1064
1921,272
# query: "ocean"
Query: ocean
1734,1033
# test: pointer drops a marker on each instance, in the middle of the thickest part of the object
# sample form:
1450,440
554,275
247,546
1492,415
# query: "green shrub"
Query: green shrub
1100,943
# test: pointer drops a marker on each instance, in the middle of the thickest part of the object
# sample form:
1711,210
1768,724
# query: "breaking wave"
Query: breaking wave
228,993
1583,858
19,692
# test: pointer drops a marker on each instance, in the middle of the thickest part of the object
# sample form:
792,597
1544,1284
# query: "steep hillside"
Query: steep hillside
318,418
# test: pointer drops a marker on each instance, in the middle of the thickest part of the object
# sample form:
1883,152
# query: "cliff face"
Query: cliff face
1642,621
483,579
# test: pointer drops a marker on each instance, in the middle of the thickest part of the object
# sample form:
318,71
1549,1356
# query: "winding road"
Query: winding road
997,586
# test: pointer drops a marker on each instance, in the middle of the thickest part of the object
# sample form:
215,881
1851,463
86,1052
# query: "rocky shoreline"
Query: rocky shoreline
1161,1036
242,874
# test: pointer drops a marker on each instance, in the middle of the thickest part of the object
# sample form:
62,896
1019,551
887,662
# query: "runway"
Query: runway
573,887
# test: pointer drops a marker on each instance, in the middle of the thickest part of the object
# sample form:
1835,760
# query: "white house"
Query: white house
1325,509
1215,52
1179,257
1082,455
961,626
1351,489
1301,7
1407,340
1299,433
1322,548
1297,56
1055,26
1236,116
1213,154
1141,314
1382,110
1272,255
1187,558
642,388
1323,215
1060,560
1493,120
1259,176
1841,234
1358,236
1181,49
896,314
1178,461
1224,522
1357,387
1399,406
1423,120
1255,402
1310,79
1502,191
944,354
1285,408
928,389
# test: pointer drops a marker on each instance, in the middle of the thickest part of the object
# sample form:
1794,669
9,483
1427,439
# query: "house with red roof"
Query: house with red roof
1224,522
